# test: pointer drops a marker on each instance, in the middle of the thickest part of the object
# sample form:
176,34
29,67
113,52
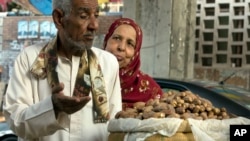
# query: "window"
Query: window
207,49
209,24
238,23
223,33
221,58
236,49
208,36
224,8
209,11
238,11
207,61
223,20
222,46
237,36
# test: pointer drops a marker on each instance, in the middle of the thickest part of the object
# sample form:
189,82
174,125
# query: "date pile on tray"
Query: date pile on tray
175,104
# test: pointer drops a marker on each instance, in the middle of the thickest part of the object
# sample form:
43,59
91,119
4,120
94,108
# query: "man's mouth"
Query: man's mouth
89,36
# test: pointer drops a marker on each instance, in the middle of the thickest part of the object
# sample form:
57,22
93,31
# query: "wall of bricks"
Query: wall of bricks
105,21
10,25
11,45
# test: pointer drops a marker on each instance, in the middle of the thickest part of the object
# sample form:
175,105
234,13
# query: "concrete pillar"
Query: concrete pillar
168,29
154,17
182,39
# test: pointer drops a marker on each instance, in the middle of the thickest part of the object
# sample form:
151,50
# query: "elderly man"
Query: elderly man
65,89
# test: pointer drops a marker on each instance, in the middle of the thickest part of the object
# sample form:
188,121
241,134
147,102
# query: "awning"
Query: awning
40,7
102,1
44,7
115,0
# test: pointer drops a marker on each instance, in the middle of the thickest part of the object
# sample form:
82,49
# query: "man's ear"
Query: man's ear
57,16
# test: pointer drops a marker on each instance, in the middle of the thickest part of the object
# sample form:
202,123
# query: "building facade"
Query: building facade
222,41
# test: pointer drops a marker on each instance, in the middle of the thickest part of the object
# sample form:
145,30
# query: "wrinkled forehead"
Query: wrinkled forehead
93,4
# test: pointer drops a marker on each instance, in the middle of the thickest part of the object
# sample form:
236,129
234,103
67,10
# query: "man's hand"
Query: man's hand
67,104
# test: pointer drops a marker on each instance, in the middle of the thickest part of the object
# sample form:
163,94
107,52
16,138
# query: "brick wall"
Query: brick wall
10,25
11,45
105,22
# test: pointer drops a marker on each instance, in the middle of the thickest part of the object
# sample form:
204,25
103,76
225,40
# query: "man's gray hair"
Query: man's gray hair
64,5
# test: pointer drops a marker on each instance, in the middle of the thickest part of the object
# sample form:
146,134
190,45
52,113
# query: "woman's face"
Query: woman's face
122,44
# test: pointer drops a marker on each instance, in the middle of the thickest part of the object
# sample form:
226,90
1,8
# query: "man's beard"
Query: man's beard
75,46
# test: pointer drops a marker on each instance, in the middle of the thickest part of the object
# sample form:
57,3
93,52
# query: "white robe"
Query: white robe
28,107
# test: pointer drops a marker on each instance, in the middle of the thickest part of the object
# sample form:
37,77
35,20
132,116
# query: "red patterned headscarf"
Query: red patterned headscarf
136,86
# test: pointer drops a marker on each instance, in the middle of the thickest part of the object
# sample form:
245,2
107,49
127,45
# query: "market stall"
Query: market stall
177,116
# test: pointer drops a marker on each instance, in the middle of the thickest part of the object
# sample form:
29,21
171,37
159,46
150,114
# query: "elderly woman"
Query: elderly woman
124,40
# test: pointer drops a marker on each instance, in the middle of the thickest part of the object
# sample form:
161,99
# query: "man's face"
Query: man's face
80,26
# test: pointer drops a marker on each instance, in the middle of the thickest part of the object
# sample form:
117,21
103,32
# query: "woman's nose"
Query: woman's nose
121,47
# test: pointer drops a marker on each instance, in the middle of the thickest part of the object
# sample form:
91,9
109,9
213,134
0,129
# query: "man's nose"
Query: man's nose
93,23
